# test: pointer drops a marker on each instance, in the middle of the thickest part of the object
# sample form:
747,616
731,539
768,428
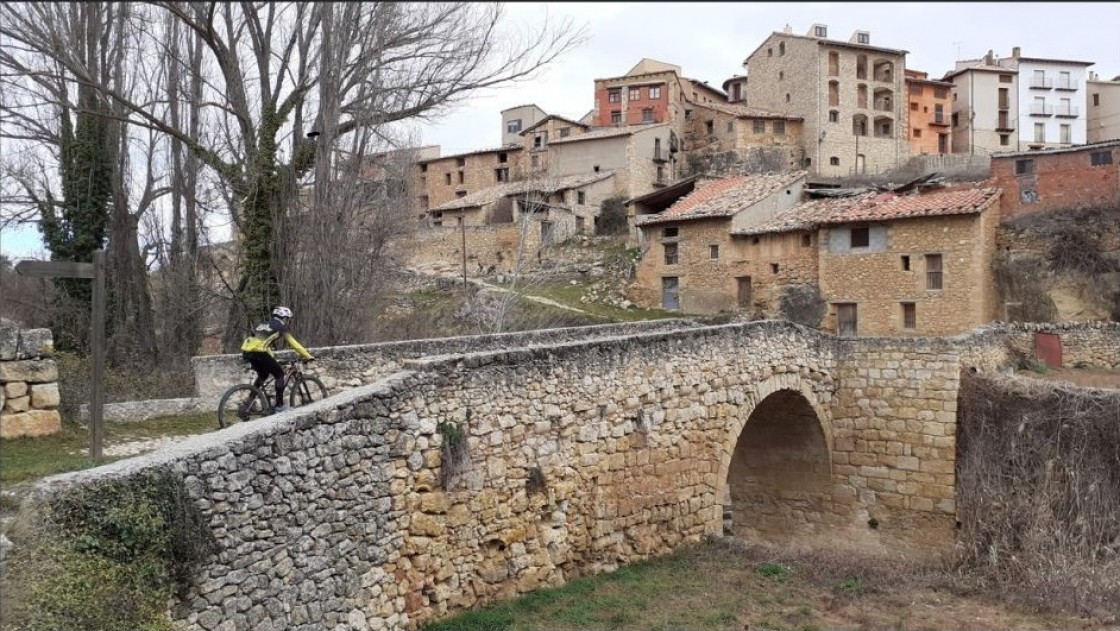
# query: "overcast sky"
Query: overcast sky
710,41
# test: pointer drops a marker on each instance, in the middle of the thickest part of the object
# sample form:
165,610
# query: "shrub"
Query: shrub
612,217
802,304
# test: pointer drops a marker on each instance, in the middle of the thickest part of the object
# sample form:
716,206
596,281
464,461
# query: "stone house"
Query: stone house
722,128
689,259
849,94
441,179
642,157
929,113
889,264
1102,109
1058,179
536,137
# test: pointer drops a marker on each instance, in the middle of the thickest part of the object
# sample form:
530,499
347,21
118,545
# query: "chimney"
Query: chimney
988,58
1015,52
788,29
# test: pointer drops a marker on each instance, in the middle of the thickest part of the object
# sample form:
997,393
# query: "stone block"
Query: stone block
9,342
35,343
29,370
15,389
44,395
17,404
32,423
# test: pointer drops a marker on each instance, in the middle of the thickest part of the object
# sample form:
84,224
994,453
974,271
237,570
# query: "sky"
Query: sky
710,41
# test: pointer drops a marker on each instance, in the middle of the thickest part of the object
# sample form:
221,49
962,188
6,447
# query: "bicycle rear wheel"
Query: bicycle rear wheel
242,403
306,390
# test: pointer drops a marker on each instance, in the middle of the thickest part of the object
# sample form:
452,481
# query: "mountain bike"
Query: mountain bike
245,402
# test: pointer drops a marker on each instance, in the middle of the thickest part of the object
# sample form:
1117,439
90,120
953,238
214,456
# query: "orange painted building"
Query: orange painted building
929,113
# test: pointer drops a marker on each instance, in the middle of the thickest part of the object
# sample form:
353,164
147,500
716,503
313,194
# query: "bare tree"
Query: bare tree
390,62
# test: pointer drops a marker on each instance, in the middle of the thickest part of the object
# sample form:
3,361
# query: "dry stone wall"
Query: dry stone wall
28,383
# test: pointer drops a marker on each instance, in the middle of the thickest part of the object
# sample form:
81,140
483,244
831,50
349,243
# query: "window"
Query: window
1040,132
913,106
1063,80
647,115
730,126
833,64
940,93
581,197
781,48
787,97
769,52
670,253
461,162
1024,167
833,93
846,323
713,252
1065,134
423,202
501,175
669,233
616,116
834,161
884,128
773,268
461,174
781,75
655,92
614,95
423,168
1096,100
1005,78
1004,139
660,174
933,271
956,119
503,157
1100,158
540,140
565,132
437,219
460,194
709,127
833,116
536,160
860,237
917,133
821,31
863,38
906,262
743,285
916,90
779,128
447,178
759,127
635,94
513,126
909,315
806,240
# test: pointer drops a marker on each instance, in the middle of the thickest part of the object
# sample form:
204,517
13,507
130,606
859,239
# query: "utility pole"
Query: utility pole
463,233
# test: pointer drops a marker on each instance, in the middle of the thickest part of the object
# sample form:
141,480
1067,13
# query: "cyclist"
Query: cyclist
257,350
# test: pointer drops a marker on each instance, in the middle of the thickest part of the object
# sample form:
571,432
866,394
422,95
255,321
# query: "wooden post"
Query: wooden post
463,232
96,272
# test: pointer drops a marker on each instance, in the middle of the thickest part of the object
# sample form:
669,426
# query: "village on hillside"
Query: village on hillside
828,173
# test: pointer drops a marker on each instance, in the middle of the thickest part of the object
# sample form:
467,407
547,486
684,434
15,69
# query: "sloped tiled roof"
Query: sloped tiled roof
548,118
874,206
744,111
724,198
502,149
605,132
543,185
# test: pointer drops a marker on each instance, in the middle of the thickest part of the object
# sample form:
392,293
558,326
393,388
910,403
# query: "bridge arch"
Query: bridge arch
777,463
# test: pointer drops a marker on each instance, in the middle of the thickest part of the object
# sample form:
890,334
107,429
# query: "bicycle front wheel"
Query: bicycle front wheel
307,390
242,403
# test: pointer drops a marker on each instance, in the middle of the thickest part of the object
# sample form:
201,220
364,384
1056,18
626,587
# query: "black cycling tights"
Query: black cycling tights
265,365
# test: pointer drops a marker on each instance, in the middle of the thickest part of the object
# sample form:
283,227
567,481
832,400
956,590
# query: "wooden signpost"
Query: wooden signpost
96,272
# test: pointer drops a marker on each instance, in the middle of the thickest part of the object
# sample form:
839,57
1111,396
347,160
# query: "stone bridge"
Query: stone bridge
575,456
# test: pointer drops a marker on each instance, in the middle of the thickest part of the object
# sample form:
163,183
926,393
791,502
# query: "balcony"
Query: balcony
1067,111
1042,110
1066,84
1004,105
1003,124
660,156
1041,83
939,120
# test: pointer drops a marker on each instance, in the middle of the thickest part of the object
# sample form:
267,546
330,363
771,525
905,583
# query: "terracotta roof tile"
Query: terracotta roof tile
724,198
744,111
544,185
874,207
605,132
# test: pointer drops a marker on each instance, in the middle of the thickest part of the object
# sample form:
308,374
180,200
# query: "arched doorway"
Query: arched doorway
779,477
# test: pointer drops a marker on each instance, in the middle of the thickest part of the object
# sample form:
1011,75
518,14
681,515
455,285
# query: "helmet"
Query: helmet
282,312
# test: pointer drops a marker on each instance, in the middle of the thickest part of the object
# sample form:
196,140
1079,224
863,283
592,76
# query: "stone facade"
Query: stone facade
642,158
536,139
893,270
583,456
440,180
1058,179
28,383
849,95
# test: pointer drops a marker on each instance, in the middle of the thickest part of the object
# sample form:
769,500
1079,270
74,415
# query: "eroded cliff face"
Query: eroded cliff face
1060,266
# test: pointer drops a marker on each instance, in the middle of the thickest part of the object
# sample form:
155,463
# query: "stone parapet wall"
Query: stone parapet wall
342,367
28,383
1092,344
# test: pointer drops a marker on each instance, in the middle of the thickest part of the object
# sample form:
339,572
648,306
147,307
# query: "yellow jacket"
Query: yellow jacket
267,336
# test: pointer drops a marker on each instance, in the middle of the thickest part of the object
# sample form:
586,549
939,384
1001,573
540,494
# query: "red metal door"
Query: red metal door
1048,349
